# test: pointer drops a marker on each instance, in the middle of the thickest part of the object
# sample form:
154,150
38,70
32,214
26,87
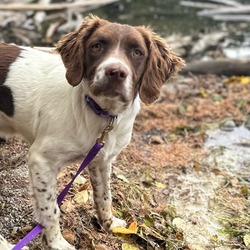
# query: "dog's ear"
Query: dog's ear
71,48
161,65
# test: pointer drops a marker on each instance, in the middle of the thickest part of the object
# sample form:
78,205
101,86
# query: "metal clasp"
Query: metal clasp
109,127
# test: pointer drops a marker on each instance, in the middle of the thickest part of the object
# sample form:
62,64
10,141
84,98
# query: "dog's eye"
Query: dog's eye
96,47
137,53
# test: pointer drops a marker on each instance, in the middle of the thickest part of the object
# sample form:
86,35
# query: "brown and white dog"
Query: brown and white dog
117,65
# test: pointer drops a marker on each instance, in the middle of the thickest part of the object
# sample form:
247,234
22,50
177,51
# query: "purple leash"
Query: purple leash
90,156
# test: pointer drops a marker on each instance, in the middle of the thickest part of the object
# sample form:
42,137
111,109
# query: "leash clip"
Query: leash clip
105,132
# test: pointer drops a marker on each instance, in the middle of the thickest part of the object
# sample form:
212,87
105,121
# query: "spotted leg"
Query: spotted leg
43,184
100,180
4,244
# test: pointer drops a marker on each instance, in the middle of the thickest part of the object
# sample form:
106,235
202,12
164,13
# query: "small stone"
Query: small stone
227,125
156,139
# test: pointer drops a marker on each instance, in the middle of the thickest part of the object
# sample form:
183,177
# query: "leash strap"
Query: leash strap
37,229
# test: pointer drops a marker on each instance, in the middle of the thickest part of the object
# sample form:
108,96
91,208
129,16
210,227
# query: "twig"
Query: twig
235,18
228,2
226,10
200,5
54,6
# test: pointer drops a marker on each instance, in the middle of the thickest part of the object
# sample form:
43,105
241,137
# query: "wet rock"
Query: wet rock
227,125
247,123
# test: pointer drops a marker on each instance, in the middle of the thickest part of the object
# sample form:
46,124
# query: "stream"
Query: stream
169,17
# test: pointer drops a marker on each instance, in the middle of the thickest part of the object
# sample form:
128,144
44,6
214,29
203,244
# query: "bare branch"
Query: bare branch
54,6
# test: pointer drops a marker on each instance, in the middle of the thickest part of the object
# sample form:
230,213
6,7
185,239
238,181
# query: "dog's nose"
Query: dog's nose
117,73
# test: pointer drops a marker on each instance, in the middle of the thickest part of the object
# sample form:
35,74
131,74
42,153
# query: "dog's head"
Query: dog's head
118,60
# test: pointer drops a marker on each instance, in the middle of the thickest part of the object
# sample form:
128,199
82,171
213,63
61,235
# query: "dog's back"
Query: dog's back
31,81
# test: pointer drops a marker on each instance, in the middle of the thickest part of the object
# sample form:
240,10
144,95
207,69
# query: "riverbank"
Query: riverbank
169,180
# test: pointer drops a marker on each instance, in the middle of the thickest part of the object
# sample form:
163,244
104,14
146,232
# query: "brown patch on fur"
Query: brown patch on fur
8,55
6,101
162,64
71,48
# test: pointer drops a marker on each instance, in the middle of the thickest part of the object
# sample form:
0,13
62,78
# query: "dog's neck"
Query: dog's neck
97,109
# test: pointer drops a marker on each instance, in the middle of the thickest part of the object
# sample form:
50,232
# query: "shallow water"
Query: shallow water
229,154
231,150
168,17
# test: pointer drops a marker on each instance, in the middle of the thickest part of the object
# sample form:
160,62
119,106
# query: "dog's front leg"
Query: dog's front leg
43,184
100,179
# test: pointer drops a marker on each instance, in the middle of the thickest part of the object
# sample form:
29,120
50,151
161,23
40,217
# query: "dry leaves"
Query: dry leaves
81,197
132,229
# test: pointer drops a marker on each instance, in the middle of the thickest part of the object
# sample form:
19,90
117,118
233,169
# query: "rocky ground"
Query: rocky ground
183,190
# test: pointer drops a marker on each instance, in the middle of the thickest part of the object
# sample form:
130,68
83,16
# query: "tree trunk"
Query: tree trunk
227,67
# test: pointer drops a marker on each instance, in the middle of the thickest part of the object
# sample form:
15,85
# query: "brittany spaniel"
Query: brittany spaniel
42,97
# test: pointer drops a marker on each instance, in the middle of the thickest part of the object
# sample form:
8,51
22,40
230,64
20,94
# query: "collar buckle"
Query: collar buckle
105,132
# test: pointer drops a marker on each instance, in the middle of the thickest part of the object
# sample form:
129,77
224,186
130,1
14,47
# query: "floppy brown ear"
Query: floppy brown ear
71,48
162,64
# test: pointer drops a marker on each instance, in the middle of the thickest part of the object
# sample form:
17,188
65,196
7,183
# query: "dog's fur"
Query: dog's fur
117,65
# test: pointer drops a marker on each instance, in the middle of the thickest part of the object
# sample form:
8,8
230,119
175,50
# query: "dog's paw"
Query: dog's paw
117,223
5,245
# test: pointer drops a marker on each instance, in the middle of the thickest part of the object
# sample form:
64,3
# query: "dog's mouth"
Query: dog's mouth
114,100
110,90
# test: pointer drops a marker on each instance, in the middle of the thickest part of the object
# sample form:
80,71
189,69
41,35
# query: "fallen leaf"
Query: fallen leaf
122,178
214,238
160,185
133,226
244,80
81,197
67,207
245,191
126,246
69,236
179,235
197,166
246,239
203,93
132,229
80,180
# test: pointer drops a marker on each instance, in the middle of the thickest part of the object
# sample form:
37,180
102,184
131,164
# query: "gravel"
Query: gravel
15,201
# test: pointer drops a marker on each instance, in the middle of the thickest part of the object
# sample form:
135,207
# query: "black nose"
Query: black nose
116,72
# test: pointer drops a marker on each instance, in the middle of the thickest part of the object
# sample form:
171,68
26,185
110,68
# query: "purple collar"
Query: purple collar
97,109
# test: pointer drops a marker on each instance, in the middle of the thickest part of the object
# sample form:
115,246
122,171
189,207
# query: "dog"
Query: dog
42,97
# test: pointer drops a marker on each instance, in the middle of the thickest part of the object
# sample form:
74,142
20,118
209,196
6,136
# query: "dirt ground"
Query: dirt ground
163,180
